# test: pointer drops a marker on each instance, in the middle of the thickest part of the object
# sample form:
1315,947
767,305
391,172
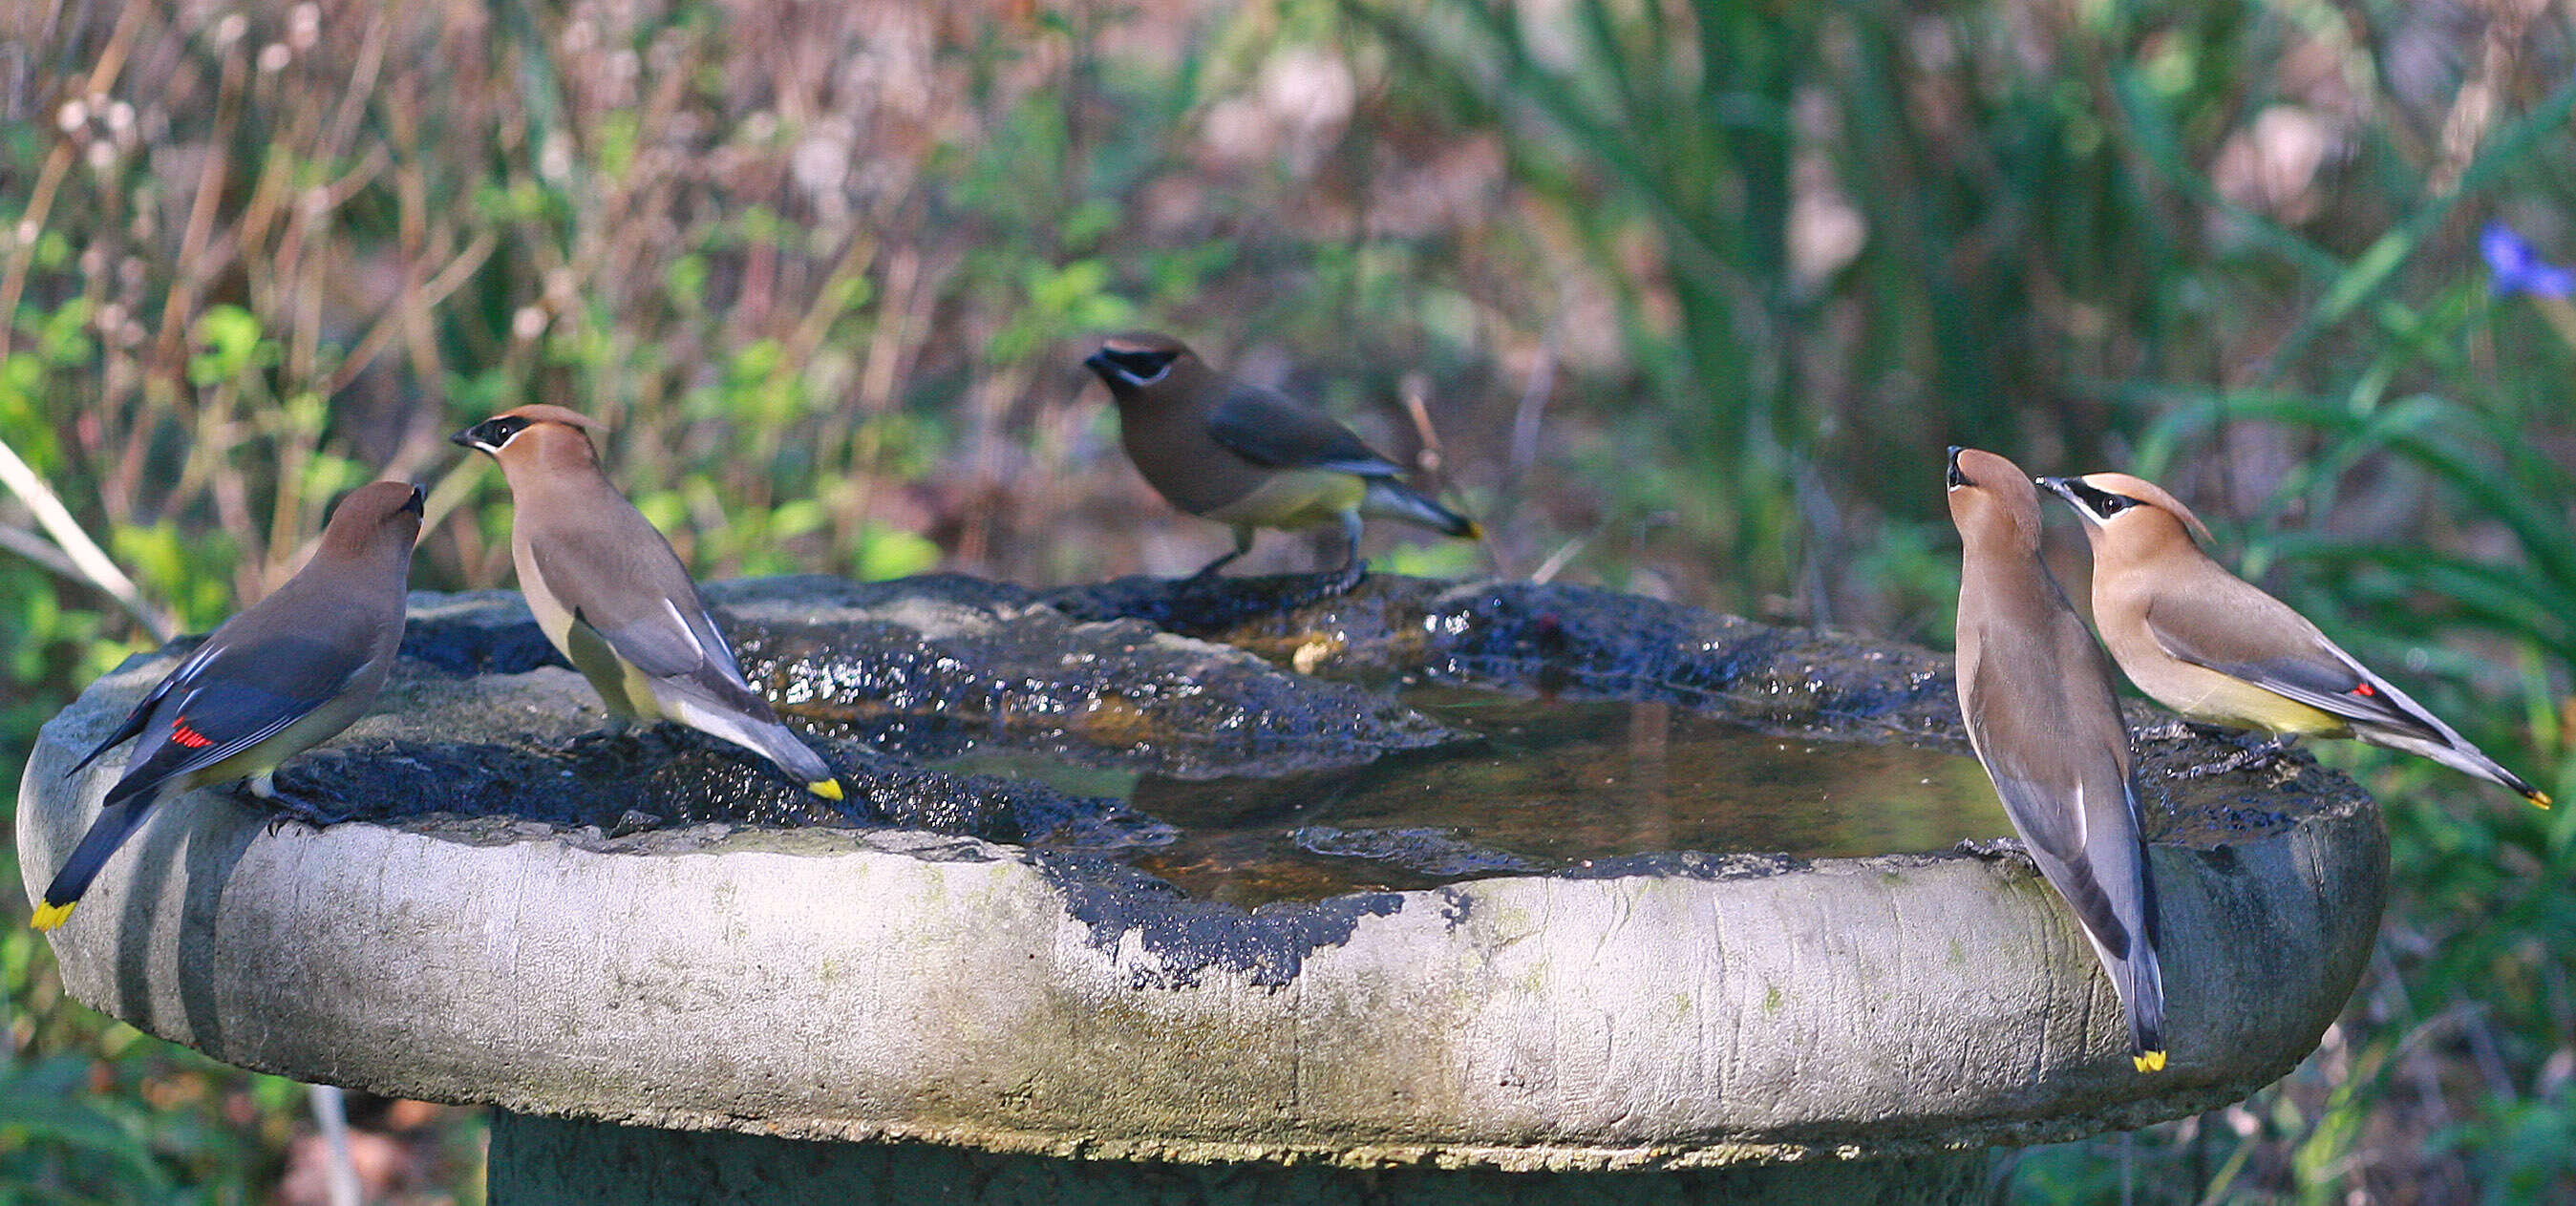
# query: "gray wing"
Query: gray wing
2251,636
246,693
1267,428
626,585
2049,732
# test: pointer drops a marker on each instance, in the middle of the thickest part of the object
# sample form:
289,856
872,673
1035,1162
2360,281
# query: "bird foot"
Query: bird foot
2171,728
1208,571
592,741
2252,757
1992,848
286,808
1336,583
2183,728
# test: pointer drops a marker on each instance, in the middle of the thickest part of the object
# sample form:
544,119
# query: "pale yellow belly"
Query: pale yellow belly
316,727
625,691
2207,695
1297,498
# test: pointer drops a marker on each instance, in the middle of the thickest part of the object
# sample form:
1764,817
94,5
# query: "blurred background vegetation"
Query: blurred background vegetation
1682,298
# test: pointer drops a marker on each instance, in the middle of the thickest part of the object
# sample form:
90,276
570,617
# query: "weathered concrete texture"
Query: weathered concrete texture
558,1162
1671,1010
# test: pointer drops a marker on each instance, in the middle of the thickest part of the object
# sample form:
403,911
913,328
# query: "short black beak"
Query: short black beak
2095,505
419,501
463,439
1097,362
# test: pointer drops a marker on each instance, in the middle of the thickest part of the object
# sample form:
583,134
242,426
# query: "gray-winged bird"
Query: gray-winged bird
613,597
286,674
2213,647
2036,693
1251,457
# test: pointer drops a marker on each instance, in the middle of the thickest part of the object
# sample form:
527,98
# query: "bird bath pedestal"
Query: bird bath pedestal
675,989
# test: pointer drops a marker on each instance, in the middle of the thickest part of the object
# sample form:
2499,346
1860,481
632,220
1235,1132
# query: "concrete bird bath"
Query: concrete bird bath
677,985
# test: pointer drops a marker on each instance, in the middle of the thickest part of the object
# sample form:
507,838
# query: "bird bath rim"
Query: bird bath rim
1658,1014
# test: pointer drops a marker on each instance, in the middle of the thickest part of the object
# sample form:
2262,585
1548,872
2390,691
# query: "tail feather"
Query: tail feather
1394,500
2142,994
115,823
767,738
780,745
2455,753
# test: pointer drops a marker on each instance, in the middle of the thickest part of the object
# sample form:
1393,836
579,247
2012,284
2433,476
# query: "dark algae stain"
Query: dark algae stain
1186,938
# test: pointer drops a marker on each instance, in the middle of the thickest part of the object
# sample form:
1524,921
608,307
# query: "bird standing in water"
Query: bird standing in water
2036,693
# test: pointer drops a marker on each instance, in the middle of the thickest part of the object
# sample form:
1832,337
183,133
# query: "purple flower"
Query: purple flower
2518,268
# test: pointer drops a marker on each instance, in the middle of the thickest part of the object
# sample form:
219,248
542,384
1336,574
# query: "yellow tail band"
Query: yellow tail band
2540,798
2153,1061
829,789
50,915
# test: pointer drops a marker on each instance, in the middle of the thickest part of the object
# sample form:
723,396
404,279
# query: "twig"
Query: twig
90,562
331,1117
39,550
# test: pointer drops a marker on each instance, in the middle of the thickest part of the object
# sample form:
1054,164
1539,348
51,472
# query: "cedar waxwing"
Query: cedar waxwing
611,595
2036,693
286,674
1250,457
2211,646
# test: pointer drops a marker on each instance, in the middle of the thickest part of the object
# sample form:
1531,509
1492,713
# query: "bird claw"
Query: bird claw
2171,728
1992,848
2252,757
1344,580
584,743
285,809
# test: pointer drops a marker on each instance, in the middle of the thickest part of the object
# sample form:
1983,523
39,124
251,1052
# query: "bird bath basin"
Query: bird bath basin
1214,888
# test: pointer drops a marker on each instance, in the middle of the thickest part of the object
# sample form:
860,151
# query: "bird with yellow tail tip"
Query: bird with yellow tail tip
614,599
1251,457
286,674
2035,691
2215,648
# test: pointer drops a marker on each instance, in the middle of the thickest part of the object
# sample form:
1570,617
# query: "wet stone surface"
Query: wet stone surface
1194,746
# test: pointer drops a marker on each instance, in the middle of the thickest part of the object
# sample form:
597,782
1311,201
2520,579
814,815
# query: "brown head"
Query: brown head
539,433
1992,502
377,521
2129,518
1146,368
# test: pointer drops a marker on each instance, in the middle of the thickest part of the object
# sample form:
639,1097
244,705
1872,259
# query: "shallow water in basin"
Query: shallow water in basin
1547,785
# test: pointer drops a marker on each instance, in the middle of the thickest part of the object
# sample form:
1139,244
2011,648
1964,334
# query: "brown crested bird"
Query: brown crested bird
1251,457
286,674
2214,648
613,597
2036,693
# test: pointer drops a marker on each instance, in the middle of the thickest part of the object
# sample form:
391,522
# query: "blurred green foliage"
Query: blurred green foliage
1690,296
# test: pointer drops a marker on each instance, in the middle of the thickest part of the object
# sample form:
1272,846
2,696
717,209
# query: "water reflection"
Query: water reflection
1547,785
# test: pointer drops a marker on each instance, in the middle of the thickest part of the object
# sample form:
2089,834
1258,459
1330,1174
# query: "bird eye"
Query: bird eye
490,434
2099,503
1143,368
